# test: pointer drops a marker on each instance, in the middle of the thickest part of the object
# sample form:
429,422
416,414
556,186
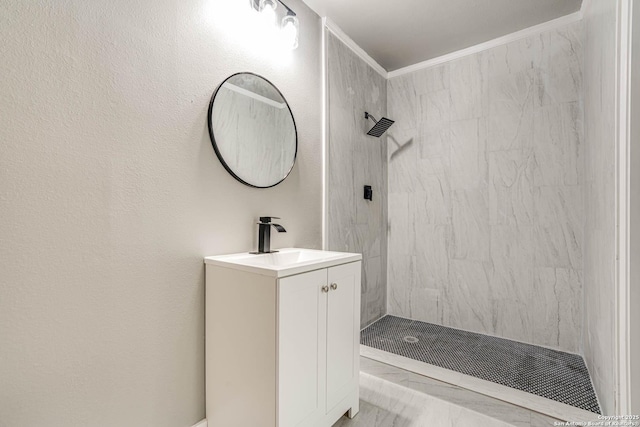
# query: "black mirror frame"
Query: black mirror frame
213,139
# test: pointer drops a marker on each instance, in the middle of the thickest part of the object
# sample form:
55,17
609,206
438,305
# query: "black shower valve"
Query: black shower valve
368,192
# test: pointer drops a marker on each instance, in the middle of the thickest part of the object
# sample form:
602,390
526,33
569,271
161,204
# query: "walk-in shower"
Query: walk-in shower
473,253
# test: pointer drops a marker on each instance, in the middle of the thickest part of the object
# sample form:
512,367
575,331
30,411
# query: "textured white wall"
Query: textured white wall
599,209
111,194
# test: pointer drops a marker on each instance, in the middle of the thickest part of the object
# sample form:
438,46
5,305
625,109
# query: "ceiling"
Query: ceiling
404,32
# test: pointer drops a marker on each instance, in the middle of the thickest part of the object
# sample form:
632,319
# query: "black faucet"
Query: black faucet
264,233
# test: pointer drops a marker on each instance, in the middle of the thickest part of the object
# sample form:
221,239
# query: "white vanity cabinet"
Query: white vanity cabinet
282,340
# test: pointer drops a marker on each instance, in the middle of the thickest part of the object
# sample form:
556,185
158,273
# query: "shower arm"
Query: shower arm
369,116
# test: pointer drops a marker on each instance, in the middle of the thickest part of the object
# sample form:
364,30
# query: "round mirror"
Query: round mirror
252,130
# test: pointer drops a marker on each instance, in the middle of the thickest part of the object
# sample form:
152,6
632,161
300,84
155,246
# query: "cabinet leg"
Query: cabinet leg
354,409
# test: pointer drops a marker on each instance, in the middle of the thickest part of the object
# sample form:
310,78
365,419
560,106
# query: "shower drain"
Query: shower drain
411,339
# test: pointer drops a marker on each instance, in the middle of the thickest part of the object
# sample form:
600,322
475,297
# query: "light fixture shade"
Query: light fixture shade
273,4
268,15
290,28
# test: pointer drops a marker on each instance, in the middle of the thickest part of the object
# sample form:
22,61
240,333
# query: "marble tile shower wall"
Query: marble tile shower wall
485,191
355,160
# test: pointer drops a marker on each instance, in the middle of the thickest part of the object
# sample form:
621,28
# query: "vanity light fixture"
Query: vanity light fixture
289,25
267,9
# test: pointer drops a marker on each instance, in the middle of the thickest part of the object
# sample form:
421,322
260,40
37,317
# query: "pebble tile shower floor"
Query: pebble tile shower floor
553,374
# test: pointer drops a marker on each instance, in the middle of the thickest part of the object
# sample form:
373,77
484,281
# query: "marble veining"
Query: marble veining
355,160
485,181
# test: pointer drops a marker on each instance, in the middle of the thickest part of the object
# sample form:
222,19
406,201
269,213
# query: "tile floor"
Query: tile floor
392,397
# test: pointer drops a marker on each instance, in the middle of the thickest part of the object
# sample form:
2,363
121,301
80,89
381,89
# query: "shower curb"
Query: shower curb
516,397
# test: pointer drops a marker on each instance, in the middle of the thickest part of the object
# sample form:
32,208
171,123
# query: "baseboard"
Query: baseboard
202,423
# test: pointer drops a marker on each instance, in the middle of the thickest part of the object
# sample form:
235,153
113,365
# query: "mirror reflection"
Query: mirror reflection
252,130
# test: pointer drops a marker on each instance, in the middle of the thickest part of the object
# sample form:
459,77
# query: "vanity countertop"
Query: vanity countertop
285,262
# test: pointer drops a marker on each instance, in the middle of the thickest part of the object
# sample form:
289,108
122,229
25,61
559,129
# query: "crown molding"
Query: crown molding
499,41
348,41
536,29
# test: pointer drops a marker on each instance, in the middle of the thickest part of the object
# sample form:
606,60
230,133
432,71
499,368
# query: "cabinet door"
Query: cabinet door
343,332
302,317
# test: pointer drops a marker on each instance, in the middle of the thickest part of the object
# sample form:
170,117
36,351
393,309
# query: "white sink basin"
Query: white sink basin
286,262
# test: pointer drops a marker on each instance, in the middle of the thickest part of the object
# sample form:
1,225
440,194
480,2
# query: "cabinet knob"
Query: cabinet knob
334,286
325,289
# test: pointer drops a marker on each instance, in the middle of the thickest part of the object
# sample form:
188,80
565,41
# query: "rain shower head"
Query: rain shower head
380,126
